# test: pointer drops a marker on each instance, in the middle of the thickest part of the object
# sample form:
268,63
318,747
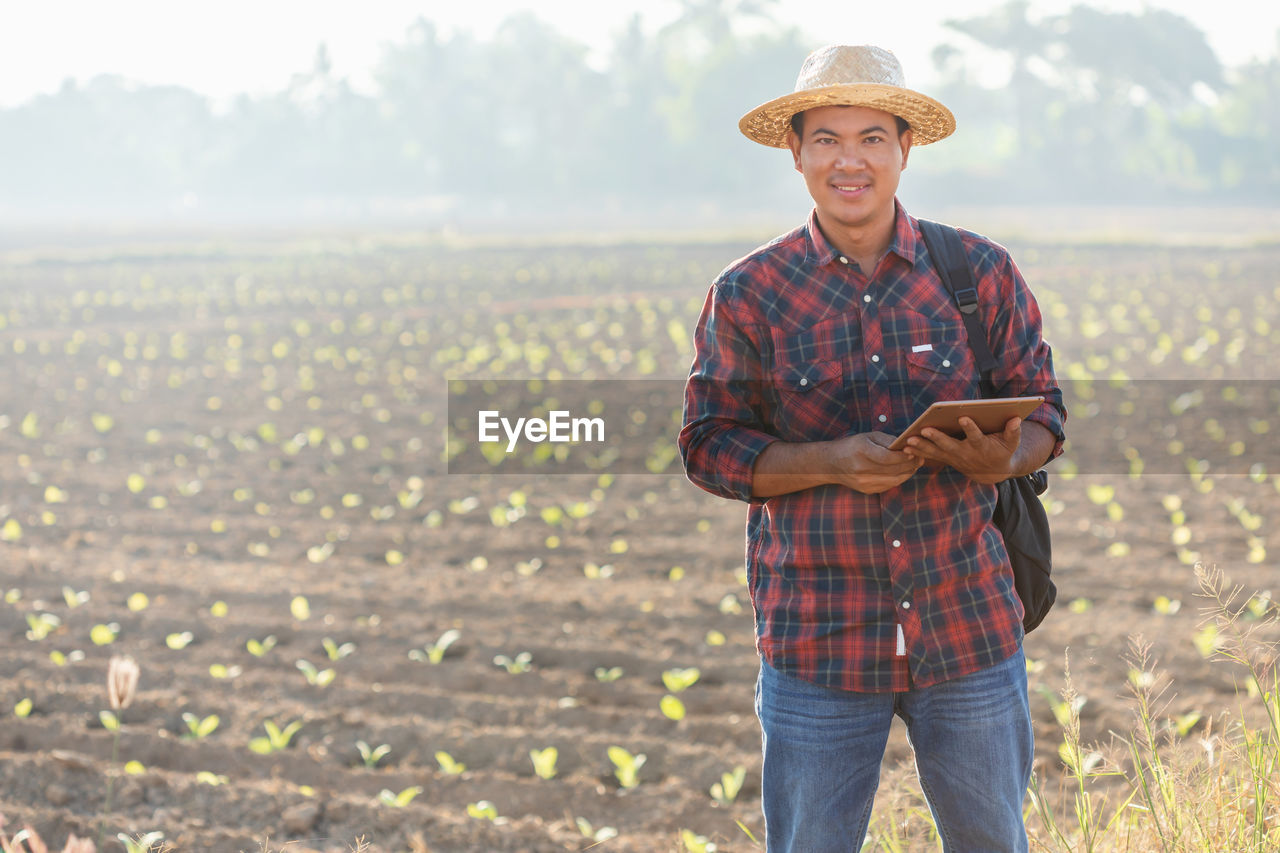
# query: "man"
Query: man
879,584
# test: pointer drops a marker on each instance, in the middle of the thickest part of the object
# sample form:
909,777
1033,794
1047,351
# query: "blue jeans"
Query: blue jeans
823,748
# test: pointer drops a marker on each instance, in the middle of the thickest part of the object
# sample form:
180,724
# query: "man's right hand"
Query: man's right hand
865,463
862,462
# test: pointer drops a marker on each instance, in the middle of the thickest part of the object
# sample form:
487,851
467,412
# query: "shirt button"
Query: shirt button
866,297
804,381
906,605
897,543
883,418
843,259
946,362
875,358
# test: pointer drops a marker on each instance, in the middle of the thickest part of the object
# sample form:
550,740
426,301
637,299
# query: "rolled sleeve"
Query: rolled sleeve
1025,368
722,434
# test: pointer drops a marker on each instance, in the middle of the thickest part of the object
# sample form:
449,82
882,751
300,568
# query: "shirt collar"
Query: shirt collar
903,243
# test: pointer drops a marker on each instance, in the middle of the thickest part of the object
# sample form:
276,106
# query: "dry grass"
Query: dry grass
1166,785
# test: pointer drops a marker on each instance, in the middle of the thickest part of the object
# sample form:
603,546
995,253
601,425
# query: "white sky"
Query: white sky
232,46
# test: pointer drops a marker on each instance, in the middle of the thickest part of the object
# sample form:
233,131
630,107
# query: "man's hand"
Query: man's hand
984,458
862,462
865,463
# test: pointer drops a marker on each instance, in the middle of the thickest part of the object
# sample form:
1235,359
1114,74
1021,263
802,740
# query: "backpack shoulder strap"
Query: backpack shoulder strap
948,256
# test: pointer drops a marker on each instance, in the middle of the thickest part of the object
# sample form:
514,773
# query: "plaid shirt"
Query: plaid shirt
794,343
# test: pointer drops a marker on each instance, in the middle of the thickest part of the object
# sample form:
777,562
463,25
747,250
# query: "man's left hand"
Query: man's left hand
982,457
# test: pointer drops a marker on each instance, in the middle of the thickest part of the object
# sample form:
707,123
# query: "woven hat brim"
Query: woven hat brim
930,121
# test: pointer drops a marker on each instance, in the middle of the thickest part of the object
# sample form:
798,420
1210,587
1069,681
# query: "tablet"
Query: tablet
990,416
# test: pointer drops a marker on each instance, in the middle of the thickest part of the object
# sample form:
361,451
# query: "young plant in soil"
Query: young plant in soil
604,833
315,677
400,800
544,762
448,766
483,810
726,790
613,673
522,662
337,652
259,648
276,739
372,755
436,652
626,766
198,728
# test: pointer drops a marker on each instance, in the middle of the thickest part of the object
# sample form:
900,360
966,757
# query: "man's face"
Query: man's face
851,159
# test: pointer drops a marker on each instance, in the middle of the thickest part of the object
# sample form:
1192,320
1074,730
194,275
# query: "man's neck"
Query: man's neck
866,246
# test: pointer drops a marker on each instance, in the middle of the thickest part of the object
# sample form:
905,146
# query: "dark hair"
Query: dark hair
797,124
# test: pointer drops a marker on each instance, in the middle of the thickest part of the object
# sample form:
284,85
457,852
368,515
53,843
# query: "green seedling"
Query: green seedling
300,608
1184,723
372,755
602,834
221,670
206,777
140,843
1206,640
177,642
613,673
109,721
436,652
544,762
60,659
523,662
198,728
74,599
694,843
677,680
315,677
104,635
483,810
726,790
41,625
23,709
626,766
448,766
337,652
1258,605
260,648
672,708
276,739
400,800
1062,709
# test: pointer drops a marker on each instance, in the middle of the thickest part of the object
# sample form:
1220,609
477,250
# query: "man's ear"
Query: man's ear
904,142
793,142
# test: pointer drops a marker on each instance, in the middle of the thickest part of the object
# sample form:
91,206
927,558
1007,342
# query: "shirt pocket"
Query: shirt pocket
812,403
942,371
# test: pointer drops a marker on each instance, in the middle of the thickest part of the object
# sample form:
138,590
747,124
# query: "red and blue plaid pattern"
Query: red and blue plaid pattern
794,343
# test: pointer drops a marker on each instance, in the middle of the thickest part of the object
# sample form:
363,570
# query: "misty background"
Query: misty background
528,125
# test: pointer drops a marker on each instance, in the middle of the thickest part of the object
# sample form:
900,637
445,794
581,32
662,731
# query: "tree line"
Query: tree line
1098,106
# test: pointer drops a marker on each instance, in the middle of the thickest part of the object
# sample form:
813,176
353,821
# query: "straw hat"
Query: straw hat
862,76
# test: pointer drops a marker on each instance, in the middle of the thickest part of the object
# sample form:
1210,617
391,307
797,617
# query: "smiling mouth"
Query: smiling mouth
850,189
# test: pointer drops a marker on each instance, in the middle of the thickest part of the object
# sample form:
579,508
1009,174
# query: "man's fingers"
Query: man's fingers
971,430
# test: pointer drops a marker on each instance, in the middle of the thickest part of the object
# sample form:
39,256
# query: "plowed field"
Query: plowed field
229,464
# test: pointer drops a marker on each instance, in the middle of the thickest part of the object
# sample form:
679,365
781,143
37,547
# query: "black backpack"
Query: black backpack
1019,514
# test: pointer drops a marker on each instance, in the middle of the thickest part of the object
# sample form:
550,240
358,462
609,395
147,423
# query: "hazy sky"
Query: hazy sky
233,46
